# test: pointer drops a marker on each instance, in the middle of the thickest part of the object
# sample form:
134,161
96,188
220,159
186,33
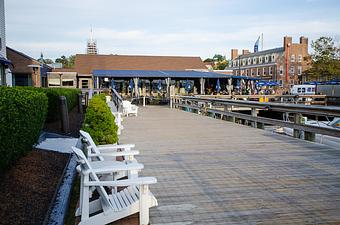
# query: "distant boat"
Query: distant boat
319,138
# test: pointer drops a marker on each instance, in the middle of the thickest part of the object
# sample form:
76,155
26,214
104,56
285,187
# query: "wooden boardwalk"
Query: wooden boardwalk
215,172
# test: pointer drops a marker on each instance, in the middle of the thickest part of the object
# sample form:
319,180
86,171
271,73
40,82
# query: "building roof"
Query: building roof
20,61
85,64
64,70
163,74
265,52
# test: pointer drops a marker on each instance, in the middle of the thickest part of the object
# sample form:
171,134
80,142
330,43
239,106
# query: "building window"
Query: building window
292,70
271,70
273,58
252,72
260,59
292,58
266,58
84,84
299,70
254,60
299,58
258,72
67,83
281,70
264,71
244,62
249,61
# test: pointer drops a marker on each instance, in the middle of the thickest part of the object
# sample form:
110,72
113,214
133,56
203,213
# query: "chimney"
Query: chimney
287,40
245,52
303,40
234,53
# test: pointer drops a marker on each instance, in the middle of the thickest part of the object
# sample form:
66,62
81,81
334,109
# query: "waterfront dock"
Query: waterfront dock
210,171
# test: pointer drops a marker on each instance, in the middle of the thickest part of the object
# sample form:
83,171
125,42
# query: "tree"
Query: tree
220,62
48,61
221,65
68,62
325,61
218,58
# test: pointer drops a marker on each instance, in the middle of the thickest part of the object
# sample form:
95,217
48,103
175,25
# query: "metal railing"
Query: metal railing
223,108
296,99
117,99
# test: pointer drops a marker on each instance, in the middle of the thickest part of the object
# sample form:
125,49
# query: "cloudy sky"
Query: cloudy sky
164,27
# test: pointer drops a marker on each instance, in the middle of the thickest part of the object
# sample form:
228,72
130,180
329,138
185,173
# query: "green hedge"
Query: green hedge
22,115
99,121
53,100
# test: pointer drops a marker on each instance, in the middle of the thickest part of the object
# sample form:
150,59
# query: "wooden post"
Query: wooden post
228,108
297,120
80,103
86,99
309,136
65,126
254,114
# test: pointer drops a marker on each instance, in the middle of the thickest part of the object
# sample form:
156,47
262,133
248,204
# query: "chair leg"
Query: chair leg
144,204
85,210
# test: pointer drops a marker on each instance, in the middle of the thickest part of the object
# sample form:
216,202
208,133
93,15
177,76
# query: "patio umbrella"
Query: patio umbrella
238,83
131,84
113,86
159,85
218,86
187,86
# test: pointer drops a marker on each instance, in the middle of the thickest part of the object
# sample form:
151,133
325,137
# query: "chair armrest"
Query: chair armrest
113,147
103,167
123,183
114,154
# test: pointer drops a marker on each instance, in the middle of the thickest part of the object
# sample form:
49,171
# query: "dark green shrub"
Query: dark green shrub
22,115
99,121
53,99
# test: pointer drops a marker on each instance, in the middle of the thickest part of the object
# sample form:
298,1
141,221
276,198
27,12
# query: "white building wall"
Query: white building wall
2,29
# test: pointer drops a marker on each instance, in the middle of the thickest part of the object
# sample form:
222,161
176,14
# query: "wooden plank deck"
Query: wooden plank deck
215,172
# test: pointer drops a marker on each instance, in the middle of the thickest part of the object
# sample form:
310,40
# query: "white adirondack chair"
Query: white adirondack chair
118,121
129,108
136,197
109,153
97,149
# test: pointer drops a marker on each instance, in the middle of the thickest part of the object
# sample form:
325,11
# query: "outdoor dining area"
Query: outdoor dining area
161,84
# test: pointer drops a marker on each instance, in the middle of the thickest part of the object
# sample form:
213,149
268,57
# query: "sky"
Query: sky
164,27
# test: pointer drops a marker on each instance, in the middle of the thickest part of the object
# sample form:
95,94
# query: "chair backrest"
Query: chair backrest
86,165
90,143
126,104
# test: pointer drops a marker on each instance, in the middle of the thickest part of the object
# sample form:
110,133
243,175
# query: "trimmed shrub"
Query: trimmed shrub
99,121
53,100
22,116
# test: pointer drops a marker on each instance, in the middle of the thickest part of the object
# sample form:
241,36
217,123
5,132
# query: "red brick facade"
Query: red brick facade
272,64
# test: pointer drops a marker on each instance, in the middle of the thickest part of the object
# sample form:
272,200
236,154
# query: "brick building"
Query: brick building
27,71
284,64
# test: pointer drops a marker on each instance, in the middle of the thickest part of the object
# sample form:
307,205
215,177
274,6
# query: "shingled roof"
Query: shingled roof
85,64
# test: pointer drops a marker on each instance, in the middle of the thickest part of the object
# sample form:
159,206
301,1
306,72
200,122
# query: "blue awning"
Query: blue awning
163,74
5,61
